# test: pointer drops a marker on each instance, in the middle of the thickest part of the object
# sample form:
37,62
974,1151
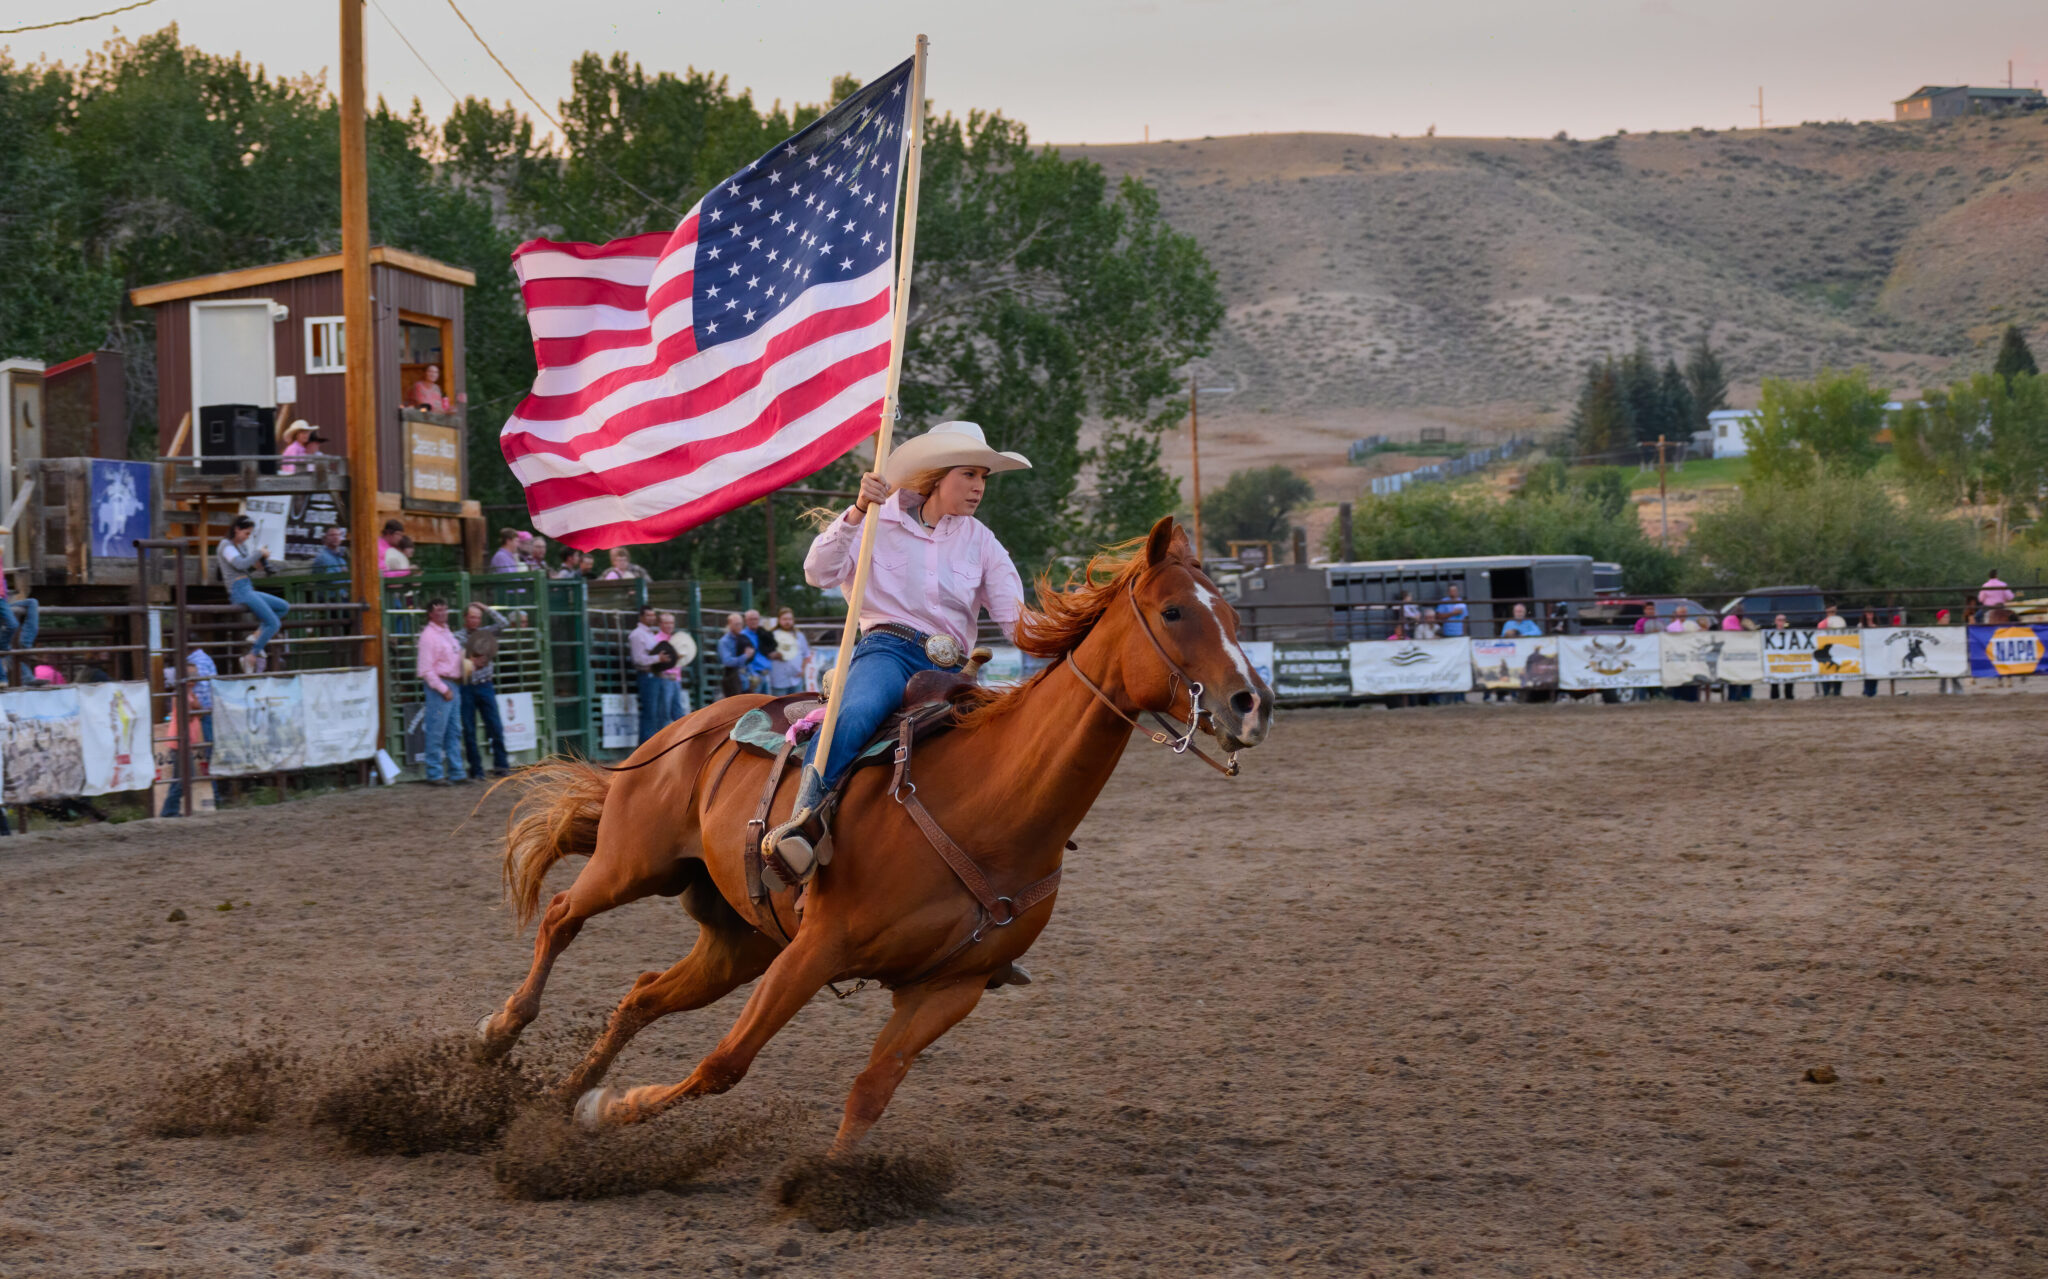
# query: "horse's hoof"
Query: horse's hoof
590,1108
483,1026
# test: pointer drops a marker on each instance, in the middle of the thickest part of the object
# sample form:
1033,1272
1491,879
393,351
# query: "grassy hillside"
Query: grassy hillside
1374,283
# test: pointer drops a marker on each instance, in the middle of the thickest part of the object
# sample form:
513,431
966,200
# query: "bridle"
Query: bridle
1180,743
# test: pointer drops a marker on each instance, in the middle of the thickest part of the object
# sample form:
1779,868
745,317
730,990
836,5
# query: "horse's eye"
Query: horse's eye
1170,613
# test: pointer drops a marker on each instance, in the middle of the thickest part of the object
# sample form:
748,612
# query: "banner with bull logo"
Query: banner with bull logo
1382,668
1712,657
1609,661
1916,652
2008,650
1795,654
1515,662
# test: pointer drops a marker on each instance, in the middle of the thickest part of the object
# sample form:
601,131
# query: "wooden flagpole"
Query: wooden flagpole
909,162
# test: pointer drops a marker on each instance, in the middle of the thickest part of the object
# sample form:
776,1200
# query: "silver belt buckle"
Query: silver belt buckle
942,650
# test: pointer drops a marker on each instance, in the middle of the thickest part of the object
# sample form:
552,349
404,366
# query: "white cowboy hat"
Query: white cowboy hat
296,427
948,444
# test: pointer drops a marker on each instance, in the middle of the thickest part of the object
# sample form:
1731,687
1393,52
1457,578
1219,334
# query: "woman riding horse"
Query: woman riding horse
935,568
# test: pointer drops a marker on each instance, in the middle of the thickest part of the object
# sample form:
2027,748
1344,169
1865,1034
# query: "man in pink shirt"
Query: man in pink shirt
1994,592
439,667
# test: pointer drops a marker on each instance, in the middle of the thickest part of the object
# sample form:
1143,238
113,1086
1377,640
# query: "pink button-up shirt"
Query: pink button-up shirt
935,580
440,658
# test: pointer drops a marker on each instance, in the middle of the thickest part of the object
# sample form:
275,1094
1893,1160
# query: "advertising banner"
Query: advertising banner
1260,654
311,515
620,713
522,730
1311,670
120,495
1382,668
2008,650
1916,652
1795,654
113,737
1712,657
1609,661
1520,661
259,725
273,515
341,716
41,756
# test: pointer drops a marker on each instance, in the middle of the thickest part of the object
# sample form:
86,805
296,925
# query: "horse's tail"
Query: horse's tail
556,817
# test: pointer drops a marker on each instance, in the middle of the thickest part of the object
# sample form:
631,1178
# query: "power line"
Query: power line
415,53
654,200
68,22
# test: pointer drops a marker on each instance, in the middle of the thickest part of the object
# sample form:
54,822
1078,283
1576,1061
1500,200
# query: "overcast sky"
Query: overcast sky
1104,70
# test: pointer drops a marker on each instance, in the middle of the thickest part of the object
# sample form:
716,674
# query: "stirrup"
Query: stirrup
790,854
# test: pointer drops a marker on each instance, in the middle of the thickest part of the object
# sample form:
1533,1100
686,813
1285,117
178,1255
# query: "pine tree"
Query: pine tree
2013,356
1641,395
1675,403
1707,382
1600,422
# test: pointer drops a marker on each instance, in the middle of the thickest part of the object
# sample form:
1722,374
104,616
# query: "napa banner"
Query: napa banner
1711,657
1609,661
2008,650
259,725
1916,652
1796,653
1380,668
1521,661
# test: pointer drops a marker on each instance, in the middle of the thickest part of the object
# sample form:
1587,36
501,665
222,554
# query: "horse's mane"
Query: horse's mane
1063,618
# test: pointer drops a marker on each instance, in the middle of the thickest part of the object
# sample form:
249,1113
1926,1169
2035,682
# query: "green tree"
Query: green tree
1840,531
1706,382
1132,489
1674,400
1805,428
1936,442
1600,422
1253,506
2013,356
1642,395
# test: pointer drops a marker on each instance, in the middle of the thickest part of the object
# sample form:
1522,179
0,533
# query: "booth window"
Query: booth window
325,349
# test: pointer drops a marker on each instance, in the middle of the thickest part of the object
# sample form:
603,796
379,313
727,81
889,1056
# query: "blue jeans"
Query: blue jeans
444,739
19,632
881,666
661,703
269,610
482,700
176,794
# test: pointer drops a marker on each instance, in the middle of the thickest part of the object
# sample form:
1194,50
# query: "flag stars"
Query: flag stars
753,282
711,327
754,243
712,254
754,206
735,268
846,264
711,292
750,315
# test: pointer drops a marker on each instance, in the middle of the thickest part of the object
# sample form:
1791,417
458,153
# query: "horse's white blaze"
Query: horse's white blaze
1210,600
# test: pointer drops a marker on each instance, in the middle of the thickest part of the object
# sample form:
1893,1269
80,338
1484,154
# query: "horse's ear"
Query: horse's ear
1159,546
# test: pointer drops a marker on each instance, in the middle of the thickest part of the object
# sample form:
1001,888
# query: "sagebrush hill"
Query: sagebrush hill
1374,282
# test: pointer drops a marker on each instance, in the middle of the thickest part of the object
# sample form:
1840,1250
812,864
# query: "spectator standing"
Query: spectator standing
198,694
426,393
735,649
1451,612
386,540
623,568
1649,623
1870,622
764,652
1411,612
1681,622
1735,621
300,440
1832,620
1994,593
1781,623
573,563
647,681
673,656
20,618
398,556
533,553
482,627
1427,628
1521,625
506,558
239,559
331,556
792,651
439,666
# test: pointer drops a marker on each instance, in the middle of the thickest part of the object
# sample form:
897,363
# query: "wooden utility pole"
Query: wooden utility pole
1195,457
1663,507
359,379
1759,106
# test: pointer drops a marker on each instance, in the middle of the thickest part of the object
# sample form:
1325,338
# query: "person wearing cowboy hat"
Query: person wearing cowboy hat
297,437
935,569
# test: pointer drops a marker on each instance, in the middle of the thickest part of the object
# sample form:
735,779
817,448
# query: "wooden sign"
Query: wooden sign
433,466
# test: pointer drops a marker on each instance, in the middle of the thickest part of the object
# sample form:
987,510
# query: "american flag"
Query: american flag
686,373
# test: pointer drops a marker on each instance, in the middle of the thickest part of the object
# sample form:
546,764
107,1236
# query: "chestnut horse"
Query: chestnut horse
1143,632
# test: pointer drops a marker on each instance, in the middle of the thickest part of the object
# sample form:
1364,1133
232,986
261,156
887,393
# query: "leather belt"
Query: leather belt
920,639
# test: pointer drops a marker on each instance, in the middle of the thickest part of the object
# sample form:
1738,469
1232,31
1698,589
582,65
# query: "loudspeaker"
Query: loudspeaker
237,430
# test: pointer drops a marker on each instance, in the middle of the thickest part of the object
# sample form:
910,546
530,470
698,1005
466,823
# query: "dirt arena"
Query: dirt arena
1468,991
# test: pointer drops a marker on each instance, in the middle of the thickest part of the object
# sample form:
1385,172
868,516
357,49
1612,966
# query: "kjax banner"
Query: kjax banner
2008,650
1798,653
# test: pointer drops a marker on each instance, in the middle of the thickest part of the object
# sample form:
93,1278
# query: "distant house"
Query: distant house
1725,425
1943,102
